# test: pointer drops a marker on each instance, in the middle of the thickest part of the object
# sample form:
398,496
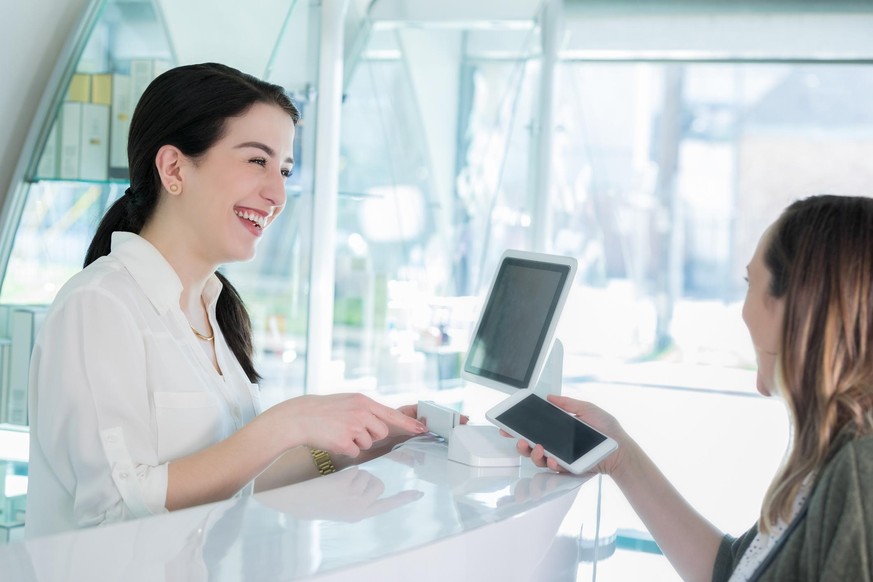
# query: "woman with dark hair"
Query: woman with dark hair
142,391
809,310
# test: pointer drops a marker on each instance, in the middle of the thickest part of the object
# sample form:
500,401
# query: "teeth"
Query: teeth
261,221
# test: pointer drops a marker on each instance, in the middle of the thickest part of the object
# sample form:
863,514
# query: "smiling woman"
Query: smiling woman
238,182
142,390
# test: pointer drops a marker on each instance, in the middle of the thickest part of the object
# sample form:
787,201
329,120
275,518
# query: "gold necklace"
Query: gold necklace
206,338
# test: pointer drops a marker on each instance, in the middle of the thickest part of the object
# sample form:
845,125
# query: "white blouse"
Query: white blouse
119,387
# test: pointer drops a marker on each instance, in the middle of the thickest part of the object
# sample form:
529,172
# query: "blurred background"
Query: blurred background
652,140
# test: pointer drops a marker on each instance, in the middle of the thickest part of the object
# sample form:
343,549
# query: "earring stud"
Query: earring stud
174,188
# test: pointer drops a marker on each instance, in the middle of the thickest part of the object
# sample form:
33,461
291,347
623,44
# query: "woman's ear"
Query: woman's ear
168,161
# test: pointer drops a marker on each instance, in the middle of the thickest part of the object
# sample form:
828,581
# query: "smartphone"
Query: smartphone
575,445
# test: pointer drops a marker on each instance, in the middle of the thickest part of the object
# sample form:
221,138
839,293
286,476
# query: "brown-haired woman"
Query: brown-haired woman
809,310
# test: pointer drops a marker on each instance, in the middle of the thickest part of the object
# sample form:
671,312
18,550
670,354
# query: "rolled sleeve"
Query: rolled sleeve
142,487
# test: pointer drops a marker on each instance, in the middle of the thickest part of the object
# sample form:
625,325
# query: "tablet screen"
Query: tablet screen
562,435
515,320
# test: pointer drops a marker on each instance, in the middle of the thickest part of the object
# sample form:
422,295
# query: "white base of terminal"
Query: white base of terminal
482,446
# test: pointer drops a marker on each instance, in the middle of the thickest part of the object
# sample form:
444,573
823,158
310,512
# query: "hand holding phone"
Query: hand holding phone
575,445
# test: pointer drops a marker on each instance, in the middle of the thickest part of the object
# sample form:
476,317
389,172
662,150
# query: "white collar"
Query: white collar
154,275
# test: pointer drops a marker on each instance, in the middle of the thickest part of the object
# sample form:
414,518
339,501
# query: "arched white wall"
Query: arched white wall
32,35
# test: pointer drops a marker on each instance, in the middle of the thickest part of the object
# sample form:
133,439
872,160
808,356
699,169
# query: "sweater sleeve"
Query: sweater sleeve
729,553
840,522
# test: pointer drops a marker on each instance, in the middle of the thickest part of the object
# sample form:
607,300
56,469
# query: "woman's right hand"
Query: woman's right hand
343,424
592,415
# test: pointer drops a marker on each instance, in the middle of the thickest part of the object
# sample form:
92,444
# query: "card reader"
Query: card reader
439,419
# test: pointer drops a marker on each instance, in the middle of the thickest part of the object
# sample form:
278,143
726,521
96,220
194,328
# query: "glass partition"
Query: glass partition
664,175
433,187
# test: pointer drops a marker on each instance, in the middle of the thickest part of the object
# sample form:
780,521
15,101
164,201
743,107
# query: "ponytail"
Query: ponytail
127,214
235,324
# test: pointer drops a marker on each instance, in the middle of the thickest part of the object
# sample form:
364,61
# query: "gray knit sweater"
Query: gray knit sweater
832,537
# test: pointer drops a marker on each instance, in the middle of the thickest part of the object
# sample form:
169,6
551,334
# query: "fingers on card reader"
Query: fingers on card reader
439,419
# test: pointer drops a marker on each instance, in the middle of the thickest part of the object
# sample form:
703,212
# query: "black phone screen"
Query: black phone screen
541,422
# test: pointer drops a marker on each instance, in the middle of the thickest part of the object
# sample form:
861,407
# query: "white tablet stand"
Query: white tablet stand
482,445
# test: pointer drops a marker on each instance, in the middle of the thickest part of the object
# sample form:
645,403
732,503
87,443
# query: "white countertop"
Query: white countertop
410,514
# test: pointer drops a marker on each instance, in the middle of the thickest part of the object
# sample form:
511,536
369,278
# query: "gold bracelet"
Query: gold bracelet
323,462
